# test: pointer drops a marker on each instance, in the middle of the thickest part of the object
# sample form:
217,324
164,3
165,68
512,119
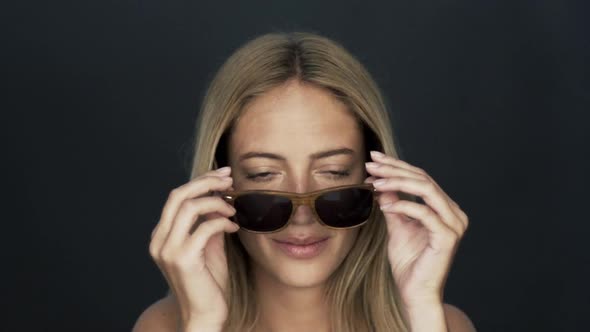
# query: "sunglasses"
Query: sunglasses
266,211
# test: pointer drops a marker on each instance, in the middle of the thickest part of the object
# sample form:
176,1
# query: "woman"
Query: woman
295,113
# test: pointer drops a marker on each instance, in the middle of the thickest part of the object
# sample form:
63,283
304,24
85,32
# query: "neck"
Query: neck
288,308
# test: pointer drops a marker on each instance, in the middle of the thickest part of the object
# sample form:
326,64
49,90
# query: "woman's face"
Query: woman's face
283,142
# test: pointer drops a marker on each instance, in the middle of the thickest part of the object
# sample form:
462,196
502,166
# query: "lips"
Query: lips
311,247
301,241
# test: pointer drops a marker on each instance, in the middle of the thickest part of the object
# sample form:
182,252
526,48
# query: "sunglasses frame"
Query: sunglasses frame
302,199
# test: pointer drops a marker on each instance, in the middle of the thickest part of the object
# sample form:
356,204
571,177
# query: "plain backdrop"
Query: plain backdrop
99,108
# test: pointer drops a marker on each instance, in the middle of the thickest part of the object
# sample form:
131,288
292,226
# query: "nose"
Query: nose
303,216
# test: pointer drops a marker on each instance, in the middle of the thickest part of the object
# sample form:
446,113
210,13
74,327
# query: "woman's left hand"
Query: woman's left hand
421,250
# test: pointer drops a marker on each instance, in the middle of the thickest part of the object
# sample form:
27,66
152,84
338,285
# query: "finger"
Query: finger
370,179
197,187
383,170
190,211
429,192
194,188
383,198
202,218
198,240
383,158
399,222
443,234
220,172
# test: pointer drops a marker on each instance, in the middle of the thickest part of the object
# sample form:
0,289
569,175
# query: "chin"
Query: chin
302,276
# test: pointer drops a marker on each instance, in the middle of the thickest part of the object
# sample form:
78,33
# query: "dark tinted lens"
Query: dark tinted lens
346,207
262,212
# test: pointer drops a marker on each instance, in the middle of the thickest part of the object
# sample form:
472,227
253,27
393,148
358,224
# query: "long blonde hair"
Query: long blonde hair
362,293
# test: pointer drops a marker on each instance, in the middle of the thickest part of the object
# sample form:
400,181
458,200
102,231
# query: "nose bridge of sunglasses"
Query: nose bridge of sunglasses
303,210
303,199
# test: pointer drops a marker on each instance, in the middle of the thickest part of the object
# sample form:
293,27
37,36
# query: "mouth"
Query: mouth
301,241
302,250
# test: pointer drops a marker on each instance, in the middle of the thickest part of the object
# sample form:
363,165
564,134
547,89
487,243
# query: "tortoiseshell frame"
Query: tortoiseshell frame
303,199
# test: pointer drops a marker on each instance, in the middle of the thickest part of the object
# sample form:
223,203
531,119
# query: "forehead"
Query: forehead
295,118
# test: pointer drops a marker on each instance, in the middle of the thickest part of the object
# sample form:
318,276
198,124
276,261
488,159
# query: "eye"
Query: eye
335,175
259,177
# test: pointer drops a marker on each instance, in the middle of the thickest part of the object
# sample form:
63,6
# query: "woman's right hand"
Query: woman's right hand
191,256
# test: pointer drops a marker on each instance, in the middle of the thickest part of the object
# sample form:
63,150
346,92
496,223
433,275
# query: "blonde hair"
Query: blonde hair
361,292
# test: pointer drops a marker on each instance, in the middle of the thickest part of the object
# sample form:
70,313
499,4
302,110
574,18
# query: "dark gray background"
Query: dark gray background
489,97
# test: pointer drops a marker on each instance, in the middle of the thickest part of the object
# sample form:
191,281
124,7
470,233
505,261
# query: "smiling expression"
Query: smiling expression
297,138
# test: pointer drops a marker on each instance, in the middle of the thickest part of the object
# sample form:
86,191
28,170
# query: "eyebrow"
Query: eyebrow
317,155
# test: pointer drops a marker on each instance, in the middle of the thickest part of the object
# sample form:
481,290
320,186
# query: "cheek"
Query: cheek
348,239
249,241
256,246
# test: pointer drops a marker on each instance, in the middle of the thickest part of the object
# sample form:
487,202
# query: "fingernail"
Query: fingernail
377,154
222,170
371,164
379,182
386,206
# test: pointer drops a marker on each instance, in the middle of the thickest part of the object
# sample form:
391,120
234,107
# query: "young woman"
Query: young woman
299,215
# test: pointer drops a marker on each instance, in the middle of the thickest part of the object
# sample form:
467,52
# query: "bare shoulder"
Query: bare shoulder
457,320
159,316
